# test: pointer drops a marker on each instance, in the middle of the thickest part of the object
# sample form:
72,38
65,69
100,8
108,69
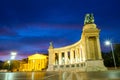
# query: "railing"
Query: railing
69,66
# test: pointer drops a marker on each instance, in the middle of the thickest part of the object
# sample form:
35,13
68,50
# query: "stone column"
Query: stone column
66,57
28,64
60,58
76,55
51,57
40,64
80,53
83,52
99,49
87,45
71,56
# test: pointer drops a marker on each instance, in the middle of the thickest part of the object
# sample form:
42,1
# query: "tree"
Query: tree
108,58
5,65
13,65
1,64
117,54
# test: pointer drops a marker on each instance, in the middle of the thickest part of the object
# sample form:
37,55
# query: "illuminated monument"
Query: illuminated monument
35,62
84,55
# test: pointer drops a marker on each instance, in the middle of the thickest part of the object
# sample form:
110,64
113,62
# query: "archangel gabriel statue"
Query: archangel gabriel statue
89,18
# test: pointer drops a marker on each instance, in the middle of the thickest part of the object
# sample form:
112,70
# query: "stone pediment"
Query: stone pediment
37,56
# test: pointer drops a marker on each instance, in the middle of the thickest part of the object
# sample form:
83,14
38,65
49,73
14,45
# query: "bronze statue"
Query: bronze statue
89,18
51,45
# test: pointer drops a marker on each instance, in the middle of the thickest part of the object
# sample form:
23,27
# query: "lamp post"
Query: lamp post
12,57
108,43
8,65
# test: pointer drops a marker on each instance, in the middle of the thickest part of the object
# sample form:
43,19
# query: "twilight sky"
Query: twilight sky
27,26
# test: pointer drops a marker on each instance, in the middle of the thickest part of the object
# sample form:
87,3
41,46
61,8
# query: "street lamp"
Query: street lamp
8,64
108,43
12,57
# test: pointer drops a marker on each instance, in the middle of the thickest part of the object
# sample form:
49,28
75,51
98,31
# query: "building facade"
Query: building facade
36,62
84,55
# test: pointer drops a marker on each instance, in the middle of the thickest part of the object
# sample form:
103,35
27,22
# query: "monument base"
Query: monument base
50,68
89,65
95,65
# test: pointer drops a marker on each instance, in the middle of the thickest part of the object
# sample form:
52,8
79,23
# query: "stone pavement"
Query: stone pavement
73,75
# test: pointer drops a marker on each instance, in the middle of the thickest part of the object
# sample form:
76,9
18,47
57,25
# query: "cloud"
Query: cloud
29,26
7,31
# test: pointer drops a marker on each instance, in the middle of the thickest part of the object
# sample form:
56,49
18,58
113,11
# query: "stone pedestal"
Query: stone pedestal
50,68
95,65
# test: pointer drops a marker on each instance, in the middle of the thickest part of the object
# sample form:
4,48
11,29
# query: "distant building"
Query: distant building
35,62
23,64
84,55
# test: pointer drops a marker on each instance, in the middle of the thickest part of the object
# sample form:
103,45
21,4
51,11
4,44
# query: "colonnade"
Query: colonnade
37,64
68,56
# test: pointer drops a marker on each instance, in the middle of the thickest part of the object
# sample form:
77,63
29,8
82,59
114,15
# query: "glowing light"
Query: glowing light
12,57
13,53
107,43
8,61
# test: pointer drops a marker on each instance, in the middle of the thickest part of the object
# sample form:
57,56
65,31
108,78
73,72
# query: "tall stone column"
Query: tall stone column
78,58
80,53
66,57
51,57
28,65
83,52
60,60
76,55
99,49
87,45
71,56
40,64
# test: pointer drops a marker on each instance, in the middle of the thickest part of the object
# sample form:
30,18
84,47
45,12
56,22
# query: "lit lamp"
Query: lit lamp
13,53
8,64
108,43
12,57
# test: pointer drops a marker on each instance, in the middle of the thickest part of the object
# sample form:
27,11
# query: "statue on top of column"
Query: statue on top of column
51,45
89,18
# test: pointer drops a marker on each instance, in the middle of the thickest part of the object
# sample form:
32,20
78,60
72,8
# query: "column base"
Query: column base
89,65
95,65
50,68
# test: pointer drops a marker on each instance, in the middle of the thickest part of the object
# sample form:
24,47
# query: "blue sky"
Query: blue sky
27,26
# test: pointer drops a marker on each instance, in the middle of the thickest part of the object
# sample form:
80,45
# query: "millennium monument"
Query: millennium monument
84,55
